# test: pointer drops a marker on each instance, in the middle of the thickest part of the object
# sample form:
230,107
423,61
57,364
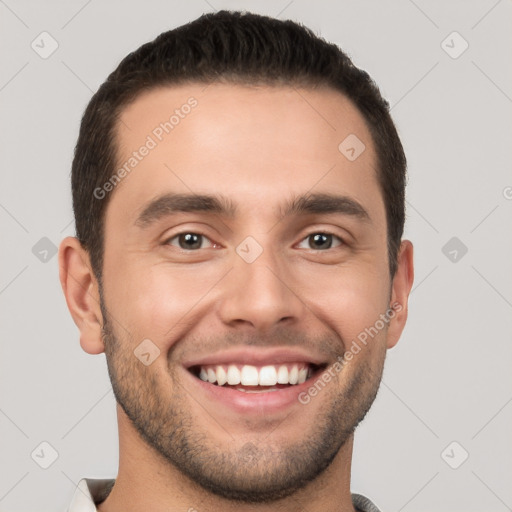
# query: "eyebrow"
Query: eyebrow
325,203
168,204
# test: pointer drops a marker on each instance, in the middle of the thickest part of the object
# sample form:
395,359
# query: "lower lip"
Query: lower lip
263,402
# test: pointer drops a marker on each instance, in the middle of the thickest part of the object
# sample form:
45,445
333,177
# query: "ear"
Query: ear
82,293
400,290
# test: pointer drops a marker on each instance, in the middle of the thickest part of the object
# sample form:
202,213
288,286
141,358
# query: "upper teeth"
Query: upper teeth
248,375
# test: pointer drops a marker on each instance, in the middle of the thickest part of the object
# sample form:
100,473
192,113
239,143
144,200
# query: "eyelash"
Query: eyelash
328,233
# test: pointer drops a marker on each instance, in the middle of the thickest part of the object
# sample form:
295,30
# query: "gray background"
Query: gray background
447,380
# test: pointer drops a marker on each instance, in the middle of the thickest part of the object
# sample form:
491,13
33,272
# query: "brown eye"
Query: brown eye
321,241
188,241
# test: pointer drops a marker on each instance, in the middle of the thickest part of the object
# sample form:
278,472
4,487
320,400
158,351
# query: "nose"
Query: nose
261,294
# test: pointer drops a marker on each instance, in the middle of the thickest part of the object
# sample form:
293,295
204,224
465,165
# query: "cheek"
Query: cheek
158,302
348,300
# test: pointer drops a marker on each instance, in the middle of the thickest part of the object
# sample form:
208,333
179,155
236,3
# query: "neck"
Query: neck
145,481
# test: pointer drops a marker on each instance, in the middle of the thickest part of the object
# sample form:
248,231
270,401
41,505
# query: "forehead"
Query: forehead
255,144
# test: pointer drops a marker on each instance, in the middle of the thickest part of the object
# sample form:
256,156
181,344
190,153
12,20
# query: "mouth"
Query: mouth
252,381
248,378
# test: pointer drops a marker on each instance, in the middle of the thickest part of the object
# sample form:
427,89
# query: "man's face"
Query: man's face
257,285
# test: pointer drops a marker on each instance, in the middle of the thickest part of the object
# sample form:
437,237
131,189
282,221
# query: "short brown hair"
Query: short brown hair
239,48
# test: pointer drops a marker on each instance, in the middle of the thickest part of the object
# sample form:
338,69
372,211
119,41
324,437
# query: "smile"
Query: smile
250,380
256,379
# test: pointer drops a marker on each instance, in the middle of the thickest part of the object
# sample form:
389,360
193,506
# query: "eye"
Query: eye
189,241
321,241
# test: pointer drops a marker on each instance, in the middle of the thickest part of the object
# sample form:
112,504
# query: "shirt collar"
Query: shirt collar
92,491
89,492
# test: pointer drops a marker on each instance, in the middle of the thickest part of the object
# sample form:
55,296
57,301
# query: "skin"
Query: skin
259,147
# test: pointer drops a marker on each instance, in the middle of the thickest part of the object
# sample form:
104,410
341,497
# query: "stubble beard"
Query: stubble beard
256,472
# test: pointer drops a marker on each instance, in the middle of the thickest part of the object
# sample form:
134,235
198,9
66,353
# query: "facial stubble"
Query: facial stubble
255,472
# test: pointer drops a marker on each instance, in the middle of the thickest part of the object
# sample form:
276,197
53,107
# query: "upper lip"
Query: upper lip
256,357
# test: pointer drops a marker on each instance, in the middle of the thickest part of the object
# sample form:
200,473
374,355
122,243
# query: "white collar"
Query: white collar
89,492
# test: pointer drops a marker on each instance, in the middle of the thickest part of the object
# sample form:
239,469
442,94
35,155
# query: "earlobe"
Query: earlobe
401,288
80,288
